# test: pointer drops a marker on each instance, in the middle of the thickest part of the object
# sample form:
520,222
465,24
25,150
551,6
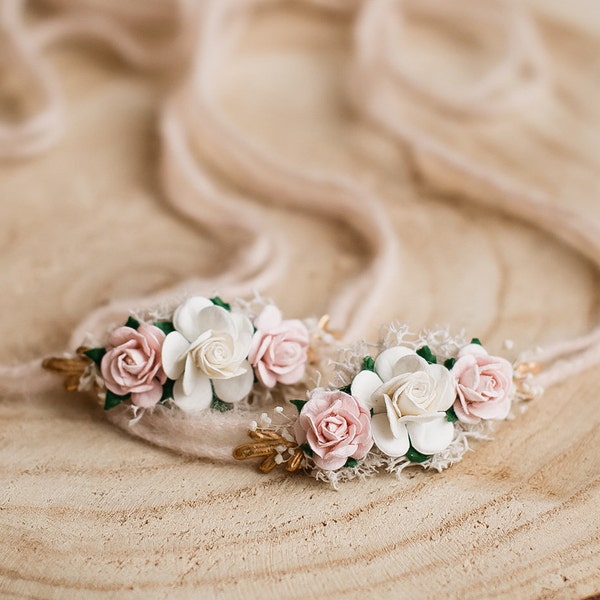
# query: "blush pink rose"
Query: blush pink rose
484,384
132,364
336,426
279,348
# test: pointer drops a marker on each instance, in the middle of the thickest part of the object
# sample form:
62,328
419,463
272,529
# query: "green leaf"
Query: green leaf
451,415
167,391
96,354
133,323
449,363
307,449
371,412
165,326
218,302
299,404
415,456
346,389
351,463
476,341
368,363
220,406
426,353
113,399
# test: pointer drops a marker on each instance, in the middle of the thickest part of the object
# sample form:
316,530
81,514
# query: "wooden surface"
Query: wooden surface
86,511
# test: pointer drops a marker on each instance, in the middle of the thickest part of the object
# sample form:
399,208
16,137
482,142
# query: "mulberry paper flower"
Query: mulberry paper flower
409,398
207,350
279,348
132,364
336,427
484,385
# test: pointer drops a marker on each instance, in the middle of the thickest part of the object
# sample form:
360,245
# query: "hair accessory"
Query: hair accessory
195,377
408,400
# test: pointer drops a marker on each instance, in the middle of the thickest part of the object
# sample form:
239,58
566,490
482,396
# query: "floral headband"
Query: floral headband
415,400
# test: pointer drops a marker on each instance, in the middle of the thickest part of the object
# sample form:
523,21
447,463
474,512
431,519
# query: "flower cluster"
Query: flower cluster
418,400
207,355
402,407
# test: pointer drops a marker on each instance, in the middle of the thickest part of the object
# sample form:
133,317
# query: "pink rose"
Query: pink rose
132,364
484,385
279,348
336,426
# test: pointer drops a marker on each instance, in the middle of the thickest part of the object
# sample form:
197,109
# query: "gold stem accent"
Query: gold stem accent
265,434
268,445
522,372
254,450
267,465
295,462
527,368
323,325
71,368
64,366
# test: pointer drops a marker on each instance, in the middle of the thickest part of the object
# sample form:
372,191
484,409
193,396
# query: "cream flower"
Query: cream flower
409,398
207,350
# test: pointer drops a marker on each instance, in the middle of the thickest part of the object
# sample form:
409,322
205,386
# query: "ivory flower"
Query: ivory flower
132,364
484,385
409,398
336,427
207,350
278,350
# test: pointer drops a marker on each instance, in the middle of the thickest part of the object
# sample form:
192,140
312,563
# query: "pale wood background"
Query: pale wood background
86,511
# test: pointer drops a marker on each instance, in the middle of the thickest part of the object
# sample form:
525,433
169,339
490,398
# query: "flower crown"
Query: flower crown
415,400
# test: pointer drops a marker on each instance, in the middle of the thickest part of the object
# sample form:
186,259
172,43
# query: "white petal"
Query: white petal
396,426
385,441
243,324
362,388
446,391
199,399
215,318
385,362
185,317
243,335
191,375
235,388
173,354
430,436
411,363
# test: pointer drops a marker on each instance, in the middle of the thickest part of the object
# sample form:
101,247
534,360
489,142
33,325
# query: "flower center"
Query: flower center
288,352
213,353
334,428
418,388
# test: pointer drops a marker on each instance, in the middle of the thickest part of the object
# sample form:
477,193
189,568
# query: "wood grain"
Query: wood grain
86,511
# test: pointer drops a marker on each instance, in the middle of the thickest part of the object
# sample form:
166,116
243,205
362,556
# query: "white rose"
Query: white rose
409,398
208,349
